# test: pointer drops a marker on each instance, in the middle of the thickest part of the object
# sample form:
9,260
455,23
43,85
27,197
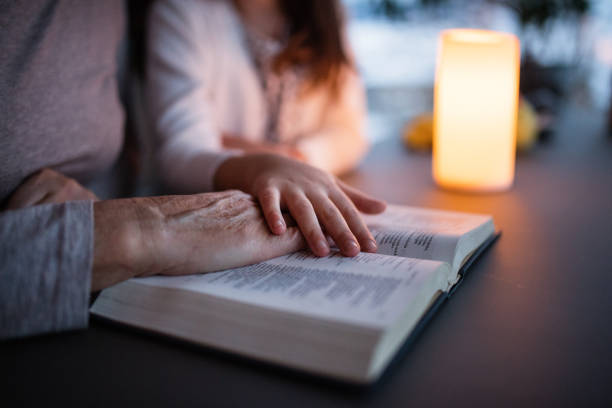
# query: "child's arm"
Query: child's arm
188,141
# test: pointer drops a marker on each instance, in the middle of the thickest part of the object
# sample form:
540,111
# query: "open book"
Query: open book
334,316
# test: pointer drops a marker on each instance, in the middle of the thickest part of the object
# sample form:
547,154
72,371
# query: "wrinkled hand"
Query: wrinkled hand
48,186
176,235
318,202
233,142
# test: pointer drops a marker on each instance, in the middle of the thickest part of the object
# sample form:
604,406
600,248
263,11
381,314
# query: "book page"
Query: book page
415,243
369,289
447,222
421,233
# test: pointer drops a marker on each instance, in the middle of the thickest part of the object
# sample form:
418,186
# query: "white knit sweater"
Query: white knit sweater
202,82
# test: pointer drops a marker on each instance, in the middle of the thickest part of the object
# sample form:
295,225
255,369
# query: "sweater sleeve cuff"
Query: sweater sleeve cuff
46,256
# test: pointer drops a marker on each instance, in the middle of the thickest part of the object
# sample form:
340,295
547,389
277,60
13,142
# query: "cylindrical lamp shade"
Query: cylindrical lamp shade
475,110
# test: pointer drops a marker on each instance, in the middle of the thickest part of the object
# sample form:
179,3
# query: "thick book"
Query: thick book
338,317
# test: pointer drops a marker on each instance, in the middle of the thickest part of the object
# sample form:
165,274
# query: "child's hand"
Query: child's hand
320,203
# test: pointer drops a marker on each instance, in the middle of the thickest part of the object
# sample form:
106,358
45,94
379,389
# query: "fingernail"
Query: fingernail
322,246
352,246
279,225
371,246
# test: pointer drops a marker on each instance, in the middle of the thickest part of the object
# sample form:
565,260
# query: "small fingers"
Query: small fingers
335,224
354,221
304,214
269,200
362,201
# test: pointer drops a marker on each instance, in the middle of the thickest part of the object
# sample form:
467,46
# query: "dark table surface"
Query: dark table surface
530,325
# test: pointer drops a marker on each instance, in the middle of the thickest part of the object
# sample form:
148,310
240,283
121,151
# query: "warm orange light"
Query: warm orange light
475,110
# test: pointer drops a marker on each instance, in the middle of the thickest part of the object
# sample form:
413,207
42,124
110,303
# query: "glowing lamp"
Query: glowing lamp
475,110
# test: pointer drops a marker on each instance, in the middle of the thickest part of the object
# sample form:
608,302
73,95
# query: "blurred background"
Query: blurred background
566,54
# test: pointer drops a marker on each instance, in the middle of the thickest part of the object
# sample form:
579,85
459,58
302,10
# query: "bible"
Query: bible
343,318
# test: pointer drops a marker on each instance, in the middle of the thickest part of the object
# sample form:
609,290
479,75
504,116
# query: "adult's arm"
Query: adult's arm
188,140
52,255
46,255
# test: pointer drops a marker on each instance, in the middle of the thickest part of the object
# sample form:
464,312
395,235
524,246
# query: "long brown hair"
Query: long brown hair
315,40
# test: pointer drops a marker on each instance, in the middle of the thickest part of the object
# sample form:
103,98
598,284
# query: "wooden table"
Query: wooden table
530,326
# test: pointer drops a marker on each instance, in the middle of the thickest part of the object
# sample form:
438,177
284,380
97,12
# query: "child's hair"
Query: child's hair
315,41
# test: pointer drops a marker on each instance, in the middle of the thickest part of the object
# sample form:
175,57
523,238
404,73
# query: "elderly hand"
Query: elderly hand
318,201
174,235
48,186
